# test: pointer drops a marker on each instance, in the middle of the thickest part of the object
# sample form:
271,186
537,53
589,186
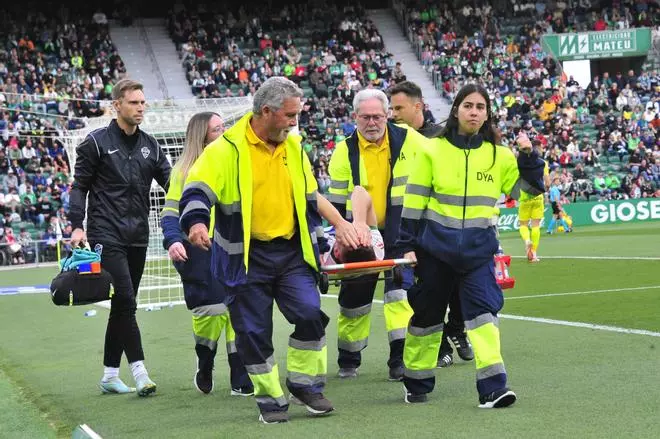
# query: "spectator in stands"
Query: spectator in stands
72,72
601,95
600,186
14,249
27,246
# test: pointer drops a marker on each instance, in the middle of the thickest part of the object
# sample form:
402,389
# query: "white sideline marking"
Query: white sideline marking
506,316
577,293
106,304
28,266
613,258
558,322
581,325
85,431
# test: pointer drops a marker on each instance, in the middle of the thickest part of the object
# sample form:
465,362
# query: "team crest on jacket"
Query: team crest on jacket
145,152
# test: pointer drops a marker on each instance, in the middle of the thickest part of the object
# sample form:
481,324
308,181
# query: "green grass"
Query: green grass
625,240
42,275
27,276
19,418
571,382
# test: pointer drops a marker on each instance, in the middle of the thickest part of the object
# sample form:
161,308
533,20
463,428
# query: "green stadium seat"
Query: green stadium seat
308,92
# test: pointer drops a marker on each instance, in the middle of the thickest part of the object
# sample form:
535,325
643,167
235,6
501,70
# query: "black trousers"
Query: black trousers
454,324
126,265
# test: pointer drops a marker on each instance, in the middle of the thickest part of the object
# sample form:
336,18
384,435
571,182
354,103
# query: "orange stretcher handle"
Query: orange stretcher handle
384,264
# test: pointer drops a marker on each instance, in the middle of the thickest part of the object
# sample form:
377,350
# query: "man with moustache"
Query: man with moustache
265,245
376,156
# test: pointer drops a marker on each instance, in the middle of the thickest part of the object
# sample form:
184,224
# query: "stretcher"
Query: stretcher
353,270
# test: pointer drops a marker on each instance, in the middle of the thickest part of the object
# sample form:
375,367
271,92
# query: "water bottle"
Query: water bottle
499,268
90,313
502,276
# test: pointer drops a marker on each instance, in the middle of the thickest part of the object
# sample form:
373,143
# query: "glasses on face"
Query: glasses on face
376,118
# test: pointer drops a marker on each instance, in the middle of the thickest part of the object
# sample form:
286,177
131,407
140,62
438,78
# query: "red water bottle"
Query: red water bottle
502,263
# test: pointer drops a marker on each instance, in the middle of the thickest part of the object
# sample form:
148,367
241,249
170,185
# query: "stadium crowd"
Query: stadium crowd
602,140
331,51
55,69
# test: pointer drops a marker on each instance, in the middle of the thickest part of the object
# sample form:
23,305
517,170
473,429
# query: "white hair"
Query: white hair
273,92
370,93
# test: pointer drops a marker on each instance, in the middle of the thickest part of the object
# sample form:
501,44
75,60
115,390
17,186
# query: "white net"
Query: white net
167,122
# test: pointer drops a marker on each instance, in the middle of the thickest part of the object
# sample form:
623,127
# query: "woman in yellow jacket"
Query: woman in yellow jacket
446,228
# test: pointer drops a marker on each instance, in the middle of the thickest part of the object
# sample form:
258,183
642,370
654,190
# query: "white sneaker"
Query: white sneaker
145,386
115,385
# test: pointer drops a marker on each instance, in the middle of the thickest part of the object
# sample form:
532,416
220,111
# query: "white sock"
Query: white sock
110,373
138,369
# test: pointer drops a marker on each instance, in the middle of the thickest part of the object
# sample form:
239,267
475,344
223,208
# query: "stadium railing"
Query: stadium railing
155,69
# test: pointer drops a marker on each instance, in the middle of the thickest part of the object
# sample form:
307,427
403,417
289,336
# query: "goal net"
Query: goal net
167,122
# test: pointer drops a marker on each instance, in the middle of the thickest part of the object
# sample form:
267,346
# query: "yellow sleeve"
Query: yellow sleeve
420,184
312,184
203,187
508,169
339,170
206,172
175,189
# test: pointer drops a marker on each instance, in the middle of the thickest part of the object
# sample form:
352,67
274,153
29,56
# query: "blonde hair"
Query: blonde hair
195,143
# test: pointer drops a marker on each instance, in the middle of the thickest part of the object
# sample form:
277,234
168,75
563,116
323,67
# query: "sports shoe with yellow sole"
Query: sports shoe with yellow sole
145,386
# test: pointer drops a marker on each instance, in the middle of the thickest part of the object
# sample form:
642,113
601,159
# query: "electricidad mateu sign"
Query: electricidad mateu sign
599,44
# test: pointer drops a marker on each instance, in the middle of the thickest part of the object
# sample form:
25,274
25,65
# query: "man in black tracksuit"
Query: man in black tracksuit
114,169
408,107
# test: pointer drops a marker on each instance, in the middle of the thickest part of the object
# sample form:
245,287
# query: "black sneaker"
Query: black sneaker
242,391
315,403
413,398
396,373
498,399
463,346
274,417
203,382
445,360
